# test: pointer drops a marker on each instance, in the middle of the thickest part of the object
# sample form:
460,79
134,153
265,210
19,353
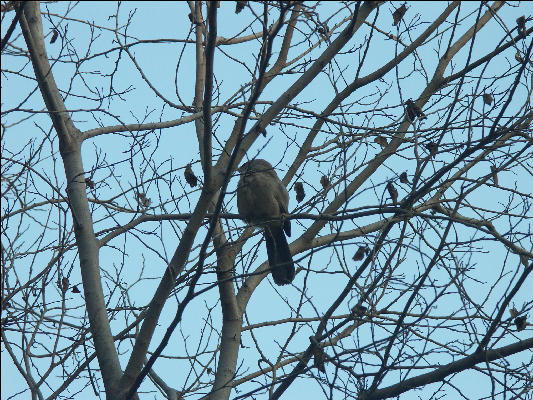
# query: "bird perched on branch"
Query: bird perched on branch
262,200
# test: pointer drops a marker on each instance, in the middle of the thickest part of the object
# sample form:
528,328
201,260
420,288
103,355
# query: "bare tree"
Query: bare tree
402,132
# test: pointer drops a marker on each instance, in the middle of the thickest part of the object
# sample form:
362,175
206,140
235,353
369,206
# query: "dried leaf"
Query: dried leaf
300,192
413,111
319,358
54,36
518,57
189,176
359,254
358,311
64,284
381,140
487,98
520,323
89,183
75,289
392,192
494,172
398,14
324,181
432,148
318,355
239,6
322,29
403,178
521,25
143,200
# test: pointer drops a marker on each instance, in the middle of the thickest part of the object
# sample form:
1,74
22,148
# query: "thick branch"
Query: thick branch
449,369
70,148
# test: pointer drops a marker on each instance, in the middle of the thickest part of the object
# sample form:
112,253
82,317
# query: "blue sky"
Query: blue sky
178,146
